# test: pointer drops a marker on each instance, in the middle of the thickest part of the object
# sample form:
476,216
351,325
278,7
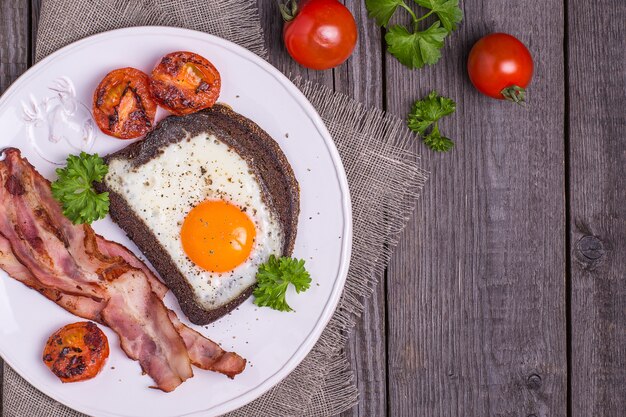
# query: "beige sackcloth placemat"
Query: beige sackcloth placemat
377,151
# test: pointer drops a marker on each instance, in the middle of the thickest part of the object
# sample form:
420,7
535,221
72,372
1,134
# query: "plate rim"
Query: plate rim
307,345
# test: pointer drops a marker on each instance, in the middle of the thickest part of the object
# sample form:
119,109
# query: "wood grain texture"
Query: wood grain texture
597,190
35,8
477,323
14,38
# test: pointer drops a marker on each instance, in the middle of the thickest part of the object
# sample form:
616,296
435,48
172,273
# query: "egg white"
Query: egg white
162,191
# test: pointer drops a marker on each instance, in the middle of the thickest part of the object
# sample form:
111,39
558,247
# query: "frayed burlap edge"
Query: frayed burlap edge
235,20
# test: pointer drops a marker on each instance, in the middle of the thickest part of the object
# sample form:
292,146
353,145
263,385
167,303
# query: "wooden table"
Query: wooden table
507,293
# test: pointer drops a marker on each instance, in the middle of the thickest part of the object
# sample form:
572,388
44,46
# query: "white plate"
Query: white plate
273,342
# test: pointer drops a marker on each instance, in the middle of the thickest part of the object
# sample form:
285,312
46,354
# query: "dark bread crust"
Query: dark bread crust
264,156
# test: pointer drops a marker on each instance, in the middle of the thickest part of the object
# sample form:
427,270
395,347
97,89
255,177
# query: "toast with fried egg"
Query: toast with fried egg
207,198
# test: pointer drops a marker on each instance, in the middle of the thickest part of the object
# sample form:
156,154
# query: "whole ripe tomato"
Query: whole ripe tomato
320,35
500,66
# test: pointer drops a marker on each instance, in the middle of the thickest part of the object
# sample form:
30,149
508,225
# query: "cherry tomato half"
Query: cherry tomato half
76,352
321,35
500,66
184,83
122,104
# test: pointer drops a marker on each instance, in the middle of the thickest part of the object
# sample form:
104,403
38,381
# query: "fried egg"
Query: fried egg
206,207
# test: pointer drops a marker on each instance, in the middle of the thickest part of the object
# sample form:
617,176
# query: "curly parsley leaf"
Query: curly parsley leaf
426,113
448,11
436,142
416,49
74,188
383,10
273,279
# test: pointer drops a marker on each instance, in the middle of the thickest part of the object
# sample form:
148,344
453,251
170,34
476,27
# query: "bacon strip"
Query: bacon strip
146,333
34,240
97,279
81,306
206,354
113,249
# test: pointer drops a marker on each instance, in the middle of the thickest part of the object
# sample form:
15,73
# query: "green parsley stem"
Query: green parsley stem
423,17
415,19
414,16
435,130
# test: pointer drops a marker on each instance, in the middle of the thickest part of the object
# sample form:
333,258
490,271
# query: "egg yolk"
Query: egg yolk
217,235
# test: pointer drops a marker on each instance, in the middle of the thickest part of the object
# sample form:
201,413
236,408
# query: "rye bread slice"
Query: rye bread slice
264,156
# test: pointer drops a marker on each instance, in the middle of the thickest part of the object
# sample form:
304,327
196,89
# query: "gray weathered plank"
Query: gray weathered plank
360,77
476,290
597,165
35,8
14,39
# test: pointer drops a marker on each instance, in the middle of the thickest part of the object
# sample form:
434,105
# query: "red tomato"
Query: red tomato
321,35
122,104
76,352
185,82
500,66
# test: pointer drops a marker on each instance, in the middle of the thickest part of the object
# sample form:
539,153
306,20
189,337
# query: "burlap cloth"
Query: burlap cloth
383,171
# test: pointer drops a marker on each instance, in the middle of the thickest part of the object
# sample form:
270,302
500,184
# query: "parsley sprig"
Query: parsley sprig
417,46
273,279
426,113
74,188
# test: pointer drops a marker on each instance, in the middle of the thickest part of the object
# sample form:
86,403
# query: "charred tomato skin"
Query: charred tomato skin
123,105
185,82
76,352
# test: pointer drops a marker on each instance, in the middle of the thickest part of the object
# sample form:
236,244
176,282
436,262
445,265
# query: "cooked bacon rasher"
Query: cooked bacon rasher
97,279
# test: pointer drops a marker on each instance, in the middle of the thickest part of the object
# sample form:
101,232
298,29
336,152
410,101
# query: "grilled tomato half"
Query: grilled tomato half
184,83
122,104
76,352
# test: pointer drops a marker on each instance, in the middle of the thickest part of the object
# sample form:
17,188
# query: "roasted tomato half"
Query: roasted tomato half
184,83
76,352
122,104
